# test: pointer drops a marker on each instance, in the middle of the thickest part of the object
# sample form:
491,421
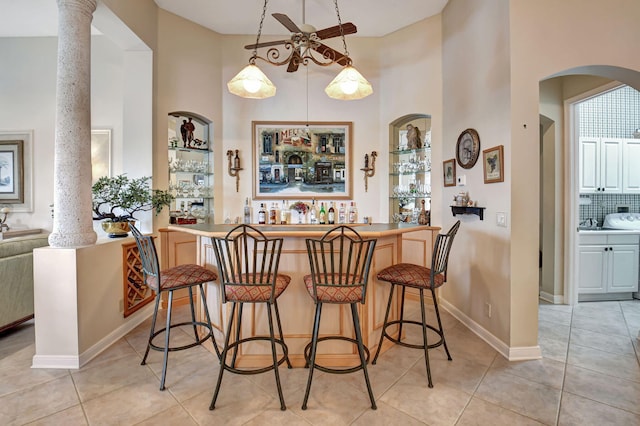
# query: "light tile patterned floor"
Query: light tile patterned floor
589,375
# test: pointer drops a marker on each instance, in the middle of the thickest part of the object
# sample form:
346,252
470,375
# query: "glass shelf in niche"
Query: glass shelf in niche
198,150
191,172
410,173
410,151
413,197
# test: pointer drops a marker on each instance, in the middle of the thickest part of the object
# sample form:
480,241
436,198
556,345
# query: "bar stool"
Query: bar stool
420,277
168,281
248,264
340,263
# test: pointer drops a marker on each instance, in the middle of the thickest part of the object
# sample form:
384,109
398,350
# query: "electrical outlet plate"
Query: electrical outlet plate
501,219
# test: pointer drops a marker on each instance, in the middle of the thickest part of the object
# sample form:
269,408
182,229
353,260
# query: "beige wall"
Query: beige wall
476,94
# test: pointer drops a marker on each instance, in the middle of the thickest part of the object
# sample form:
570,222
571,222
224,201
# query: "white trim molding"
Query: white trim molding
510,353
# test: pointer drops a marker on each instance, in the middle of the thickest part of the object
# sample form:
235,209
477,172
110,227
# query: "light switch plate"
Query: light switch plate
501,219
462,180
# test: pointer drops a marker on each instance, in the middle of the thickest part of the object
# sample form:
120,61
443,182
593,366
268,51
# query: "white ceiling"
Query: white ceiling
24,18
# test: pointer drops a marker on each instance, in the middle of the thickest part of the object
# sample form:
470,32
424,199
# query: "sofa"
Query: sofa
16,278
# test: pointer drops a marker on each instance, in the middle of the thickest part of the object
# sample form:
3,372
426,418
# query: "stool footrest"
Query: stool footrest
307,356
410,345
280,342
180,348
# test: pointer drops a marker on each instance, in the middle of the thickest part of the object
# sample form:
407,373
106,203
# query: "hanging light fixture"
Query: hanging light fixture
251,82
305,46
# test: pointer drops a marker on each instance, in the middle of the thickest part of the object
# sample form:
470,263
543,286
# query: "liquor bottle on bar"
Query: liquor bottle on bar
312,213
262,215
323,214
331,216
353,213
247,212
342,214
283,213
273,214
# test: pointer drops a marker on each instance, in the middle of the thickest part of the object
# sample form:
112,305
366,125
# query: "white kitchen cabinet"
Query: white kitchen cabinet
600,165
630,166
608,263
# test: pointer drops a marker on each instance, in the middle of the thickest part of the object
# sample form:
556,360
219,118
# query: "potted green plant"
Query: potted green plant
117,199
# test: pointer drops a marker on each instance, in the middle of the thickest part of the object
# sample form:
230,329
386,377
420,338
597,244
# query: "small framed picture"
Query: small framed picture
449,172
493,164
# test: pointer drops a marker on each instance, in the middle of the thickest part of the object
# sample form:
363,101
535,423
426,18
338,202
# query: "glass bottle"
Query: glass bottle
323,214
283,213
342,214
262,215
247,212
312,213
353,213
331,216
272,214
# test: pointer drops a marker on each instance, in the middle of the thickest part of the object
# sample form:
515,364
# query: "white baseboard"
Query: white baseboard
67,362
556,299
510,353
73,362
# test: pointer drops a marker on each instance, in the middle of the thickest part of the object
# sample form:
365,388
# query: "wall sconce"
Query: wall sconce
369,171
234,167
3,222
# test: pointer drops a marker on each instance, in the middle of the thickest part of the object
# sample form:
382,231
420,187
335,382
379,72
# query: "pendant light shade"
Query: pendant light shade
251,83
349,84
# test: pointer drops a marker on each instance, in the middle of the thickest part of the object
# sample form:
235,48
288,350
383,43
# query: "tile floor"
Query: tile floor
589,375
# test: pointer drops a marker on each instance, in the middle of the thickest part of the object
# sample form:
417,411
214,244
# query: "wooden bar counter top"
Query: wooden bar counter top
395,243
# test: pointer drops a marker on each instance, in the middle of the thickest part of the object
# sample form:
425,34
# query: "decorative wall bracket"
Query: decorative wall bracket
369,171
234,167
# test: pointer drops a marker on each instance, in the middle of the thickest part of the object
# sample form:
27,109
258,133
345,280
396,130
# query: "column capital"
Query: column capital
84,6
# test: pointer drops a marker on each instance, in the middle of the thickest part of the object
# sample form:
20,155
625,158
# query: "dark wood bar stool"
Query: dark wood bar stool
340,263
420,277
248,264
168,281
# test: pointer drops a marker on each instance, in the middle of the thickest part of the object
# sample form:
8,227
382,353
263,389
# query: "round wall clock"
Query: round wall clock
468,148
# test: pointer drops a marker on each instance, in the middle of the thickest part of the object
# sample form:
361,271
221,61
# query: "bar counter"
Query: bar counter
395,243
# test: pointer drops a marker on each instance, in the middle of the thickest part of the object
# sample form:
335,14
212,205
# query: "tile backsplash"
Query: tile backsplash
614,114
603,204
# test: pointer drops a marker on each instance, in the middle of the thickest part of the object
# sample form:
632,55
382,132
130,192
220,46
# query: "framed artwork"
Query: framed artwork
12,171
493,161
100,154
300,160
468,148
449,172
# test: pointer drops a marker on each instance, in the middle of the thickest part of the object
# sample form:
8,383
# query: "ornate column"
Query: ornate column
72,222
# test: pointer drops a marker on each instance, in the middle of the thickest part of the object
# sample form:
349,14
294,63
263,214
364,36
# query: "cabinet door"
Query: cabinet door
592,271
623,268
630,169
611,165
589,165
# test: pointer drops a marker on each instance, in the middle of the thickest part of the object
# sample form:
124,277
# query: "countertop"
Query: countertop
607,231
373,230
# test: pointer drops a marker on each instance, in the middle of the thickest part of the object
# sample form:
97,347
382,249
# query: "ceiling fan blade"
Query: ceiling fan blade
287,22
294,63
327,51
330,32
265,44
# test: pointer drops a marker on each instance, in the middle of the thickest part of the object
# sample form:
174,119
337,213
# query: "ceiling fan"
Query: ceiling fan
305,39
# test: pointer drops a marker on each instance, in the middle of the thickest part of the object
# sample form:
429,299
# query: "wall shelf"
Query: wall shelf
468,210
